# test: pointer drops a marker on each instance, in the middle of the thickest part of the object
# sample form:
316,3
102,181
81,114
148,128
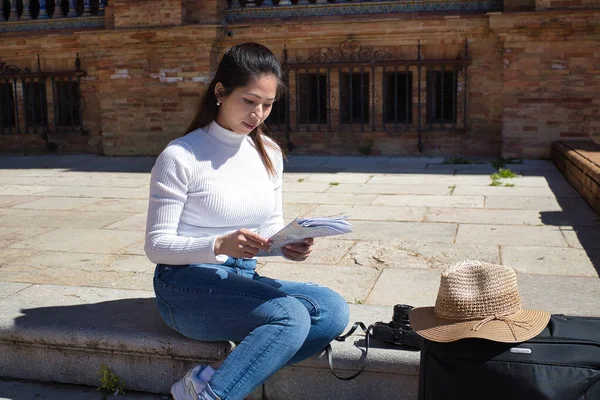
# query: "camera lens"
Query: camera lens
401,313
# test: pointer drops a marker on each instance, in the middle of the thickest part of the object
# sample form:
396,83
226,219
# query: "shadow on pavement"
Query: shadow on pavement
578,222
78,162
136,316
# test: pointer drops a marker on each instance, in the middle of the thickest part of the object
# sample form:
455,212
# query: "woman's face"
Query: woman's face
246,107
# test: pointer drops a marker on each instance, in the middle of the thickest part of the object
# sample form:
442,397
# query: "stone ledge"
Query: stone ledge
63,334
579,161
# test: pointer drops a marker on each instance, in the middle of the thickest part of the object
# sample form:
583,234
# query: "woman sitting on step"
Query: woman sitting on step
215,199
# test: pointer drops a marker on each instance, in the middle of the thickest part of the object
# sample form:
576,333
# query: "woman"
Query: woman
215,199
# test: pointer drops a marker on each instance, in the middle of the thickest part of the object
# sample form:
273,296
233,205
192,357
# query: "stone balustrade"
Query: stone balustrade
19,15
249,9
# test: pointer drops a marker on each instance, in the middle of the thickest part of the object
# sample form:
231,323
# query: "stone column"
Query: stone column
72,10
26,15
13,11
43,13
87,9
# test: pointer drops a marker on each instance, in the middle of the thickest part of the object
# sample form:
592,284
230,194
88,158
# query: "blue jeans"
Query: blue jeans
276,322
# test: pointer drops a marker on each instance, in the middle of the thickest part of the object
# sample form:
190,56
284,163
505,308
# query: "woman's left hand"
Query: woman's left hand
298,251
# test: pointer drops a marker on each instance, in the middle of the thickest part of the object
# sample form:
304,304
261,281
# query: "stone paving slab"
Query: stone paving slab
510,235
393,253
512,217
395,189
543,181
89,262
483,216
304,186
56,203
136,248
14,235
430,201
32,172
81,240
135,223
293,210
383,230
330,198
98,179
549,203
556,294
9,288
29,390
416,287
8,255
560,294
552,261
374,213
69,276
22,190
7,201
428,179
463,190
353,282
341,177
325,251
582,237
98,192
61,218
22,180
118,205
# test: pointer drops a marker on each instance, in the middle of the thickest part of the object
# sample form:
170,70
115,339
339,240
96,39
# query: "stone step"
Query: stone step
579,161
65,333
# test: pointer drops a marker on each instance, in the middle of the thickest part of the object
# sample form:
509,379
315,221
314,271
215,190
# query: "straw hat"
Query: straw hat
478,300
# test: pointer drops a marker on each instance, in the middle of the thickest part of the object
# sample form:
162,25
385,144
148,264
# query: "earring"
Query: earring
218,103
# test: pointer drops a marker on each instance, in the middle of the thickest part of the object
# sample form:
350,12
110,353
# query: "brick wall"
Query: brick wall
533,78
551,80
138,13
543,5
204,11
440,38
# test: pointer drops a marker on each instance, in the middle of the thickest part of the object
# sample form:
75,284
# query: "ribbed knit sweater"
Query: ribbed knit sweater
209,183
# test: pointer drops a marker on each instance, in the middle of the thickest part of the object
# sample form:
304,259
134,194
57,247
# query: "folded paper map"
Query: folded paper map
302,228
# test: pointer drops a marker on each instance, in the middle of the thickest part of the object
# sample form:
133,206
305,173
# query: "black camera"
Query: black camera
398,331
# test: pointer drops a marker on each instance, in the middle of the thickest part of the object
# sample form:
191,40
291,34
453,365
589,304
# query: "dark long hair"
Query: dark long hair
238,67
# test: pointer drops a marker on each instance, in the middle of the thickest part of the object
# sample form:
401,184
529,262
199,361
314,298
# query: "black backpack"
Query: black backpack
561,363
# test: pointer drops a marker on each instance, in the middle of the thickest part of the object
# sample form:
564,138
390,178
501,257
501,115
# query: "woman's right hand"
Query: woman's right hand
241,244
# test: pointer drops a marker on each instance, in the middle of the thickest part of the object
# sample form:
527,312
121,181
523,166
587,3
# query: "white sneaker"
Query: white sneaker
190,386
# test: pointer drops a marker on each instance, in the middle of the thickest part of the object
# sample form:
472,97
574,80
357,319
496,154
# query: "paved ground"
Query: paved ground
79,221
25,390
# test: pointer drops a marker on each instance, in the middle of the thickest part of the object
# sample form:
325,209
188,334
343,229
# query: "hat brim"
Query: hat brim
428,325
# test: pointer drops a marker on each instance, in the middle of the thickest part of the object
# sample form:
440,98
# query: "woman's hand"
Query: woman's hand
298,251
241,244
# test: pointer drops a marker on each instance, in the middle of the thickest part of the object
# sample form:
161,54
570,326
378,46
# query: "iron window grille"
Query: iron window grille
7,107
354,97
442,97
36,105
67,103
397,97
414,93
40,102
312,98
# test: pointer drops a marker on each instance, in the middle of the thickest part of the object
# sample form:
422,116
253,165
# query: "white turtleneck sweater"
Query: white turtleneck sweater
209,183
